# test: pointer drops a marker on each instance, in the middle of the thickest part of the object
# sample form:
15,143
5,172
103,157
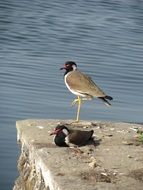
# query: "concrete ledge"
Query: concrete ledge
116,163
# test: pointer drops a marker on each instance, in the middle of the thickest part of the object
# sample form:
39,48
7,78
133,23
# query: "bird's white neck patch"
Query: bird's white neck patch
74,67
65,131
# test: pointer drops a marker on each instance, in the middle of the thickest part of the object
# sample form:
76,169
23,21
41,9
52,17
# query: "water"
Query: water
38,36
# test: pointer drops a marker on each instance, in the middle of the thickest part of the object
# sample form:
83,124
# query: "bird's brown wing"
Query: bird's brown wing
78,137
84,84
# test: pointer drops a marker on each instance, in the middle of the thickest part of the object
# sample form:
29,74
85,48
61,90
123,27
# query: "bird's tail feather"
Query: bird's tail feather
108,97
105,100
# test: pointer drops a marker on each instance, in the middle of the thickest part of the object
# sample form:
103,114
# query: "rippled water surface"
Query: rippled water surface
105,38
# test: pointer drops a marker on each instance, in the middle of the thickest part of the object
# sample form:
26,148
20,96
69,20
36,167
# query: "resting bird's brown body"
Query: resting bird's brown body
79,137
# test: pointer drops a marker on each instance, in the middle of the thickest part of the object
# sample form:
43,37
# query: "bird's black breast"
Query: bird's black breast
60,140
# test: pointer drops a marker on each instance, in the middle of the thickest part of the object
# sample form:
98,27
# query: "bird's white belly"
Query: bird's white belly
76,92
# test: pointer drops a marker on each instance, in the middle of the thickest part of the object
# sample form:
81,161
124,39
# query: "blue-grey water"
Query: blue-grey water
104,37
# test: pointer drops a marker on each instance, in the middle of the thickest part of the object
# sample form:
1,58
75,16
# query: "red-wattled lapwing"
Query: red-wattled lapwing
82,86
65,136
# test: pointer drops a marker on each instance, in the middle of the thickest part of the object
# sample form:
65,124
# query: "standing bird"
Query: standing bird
82,86
65,137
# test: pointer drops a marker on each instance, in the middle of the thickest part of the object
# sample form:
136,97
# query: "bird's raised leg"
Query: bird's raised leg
78,109
75,101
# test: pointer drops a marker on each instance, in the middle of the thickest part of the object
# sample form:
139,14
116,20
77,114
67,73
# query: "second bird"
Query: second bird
82,86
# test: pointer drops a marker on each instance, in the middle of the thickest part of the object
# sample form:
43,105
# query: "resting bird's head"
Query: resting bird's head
60,129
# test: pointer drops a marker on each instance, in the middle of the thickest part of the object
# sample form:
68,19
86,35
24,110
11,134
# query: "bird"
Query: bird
65,137
82,86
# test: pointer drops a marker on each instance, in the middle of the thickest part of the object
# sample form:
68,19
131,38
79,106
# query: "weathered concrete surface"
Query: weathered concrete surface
116,163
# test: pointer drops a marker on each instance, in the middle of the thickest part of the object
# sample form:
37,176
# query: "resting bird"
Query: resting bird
82,86
65,137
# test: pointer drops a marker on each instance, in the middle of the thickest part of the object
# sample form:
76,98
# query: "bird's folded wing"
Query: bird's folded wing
80,137
83,84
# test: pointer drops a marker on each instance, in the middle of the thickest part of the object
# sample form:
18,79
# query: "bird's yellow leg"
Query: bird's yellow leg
78,109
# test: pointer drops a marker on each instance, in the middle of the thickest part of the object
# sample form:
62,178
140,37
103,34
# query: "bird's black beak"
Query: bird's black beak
62,68
52,133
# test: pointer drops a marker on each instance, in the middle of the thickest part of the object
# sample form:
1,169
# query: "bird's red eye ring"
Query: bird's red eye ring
66,65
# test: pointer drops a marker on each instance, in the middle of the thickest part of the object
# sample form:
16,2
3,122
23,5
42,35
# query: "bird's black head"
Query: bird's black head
69,66
60,129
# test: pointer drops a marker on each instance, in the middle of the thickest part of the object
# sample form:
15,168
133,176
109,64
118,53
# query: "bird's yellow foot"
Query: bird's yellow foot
74,122
74,102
